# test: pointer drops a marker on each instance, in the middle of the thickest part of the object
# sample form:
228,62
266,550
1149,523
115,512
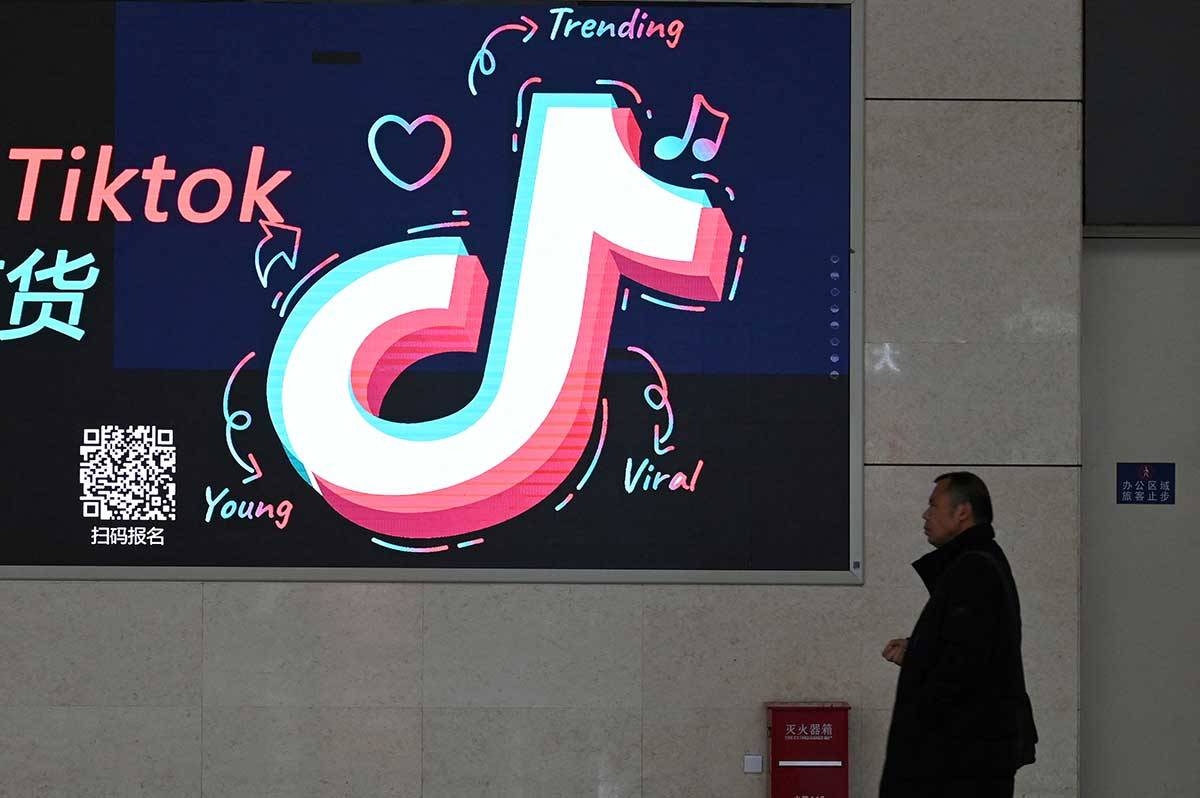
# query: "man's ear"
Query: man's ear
963,512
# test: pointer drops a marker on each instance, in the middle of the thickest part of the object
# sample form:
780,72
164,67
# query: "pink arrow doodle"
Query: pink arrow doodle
485,62
278,254
239,420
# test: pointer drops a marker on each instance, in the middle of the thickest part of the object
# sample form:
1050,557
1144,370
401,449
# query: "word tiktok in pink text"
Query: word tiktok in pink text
106,186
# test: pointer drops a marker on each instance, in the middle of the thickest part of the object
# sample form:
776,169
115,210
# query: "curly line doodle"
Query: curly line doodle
240,421
484,61
661,403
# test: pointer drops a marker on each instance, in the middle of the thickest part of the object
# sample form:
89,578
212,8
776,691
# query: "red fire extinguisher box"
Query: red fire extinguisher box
810,749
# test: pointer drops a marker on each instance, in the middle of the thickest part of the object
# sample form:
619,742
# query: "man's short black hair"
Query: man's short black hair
963,486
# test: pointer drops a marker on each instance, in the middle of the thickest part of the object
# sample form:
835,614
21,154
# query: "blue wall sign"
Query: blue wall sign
1145,483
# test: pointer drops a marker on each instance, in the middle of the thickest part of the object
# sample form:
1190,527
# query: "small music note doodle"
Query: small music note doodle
668,148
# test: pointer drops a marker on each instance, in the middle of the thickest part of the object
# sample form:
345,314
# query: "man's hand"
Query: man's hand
894,650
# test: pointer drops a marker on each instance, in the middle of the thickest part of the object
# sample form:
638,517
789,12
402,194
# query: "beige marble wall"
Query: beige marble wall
973,225
971,312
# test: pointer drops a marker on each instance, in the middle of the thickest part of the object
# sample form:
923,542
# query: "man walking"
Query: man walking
962,723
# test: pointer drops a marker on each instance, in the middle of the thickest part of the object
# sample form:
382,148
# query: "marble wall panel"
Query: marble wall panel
302,644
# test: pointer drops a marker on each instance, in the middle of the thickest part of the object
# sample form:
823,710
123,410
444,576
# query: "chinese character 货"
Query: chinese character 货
68,292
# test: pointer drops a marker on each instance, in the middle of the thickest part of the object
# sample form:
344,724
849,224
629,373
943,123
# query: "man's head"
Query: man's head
958,502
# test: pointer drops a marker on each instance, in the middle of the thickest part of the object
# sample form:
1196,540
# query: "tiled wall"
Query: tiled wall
455,691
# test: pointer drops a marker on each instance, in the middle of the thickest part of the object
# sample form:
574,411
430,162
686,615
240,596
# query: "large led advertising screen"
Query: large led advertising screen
431,291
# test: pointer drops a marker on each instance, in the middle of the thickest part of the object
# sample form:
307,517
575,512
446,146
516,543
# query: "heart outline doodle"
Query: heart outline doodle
437,121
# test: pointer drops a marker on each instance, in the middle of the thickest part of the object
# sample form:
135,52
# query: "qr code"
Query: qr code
128,473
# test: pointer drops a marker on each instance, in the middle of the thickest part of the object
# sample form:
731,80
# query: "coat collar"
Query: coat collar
931,567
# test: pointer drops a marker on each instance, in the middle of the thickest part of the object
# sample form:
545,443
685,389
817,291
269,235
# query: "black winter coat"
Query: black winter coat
961,705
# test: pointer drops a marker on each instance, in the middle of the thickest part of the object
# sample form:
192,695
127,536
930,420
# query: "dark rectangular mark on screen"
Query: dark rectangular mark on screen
336,57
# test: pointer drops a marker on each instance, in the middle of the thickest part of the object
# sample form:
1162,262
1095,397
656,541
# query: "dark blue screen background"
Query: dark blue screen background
202,84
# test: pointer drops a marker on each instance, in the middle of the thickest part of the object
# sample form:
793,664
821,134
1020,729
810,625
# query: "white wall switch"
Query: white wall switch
752,763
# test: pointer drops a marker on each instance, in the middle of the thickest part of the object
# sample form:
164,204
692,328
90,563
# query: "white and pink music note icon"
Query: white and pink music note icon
668,148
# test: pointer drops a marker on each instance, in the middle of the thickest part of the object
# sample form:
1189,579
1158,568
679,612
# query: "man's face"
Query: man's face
943,519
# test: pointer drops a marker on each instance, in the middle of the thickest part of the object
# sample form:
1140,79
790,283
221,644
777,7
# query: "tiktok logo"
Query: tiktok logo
585,216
